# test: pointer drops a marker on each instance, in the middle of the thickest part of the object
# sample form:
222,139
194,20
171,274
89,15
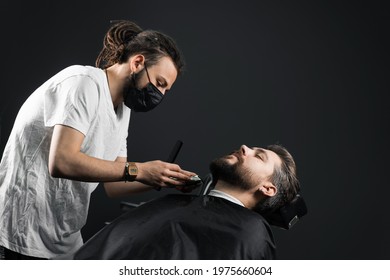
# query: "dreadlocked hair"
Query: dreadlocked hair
125,38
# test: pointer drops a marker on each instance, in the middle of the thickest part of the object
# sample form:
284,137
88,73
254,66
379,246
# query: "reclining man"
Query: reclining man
224,224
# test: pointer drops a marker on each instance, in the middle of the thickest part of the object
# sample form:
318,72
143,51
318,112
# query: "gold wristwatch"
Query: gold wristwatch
131,171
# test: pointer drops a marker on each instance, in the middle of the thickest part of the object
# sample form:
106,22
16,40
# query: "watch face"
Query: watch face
133,170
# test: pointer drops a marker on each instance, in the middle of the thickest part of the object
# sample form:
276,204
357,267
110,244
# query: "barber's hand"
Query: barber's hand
162,174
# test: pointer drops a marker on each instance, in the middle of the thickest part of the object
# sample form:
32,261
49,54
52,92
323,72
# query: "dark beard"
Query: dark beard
233,174
134,82
136,78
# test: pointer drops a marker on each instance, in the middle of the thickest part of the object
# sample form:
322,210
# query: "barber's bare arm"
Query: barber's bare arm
67,161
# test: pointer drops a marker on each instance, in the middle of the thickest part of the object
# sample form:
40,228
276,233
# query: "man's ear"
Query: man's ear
137,63
268,189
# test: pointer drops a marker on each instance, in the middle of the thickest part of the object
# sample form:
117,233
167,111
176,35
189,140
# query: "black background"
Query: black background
311,75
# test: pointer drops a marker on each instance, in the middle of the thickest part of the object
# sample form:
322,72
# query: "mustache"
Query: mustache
236,153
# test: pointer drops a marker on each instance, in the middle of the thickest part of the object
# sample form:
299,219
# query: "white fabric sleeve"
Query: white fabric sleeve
73,102
123,150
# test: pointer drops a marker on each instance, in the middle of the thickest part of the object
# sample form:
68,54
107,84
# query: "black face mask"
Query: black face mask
145,99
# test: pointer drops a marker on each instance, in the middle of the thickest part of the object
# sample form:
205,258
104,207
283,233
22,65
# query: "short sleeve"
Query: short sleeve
72,102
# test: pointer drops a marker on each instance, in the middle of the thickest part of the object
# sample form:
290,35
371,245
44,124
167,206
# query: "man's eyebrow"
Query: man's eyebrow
261,151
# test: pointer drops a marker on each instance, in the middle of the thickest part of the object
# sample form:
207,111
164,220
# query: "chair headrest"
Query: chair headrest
288,215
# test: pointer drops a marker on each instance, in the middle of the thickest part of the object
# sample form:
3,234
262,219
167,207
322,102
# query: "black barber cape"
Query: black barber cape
179,226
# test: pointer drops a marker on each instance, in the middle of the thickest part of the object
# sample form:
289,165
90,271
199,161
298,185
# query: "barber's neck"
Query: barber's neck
246,197
118,81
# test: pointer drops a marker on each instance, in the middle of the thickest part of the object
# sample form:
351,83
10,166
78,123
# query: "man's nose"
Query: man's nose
162,90
245,150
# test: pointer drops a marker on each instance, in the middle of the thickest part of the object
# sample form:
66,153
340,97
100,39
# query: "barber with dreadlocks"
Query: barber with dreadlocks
71,133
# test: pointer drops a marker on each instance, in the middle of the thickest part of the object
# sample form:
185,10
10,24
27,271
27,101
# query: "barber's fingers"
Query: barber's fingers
174,170
162,174
175,167
188,173
179,176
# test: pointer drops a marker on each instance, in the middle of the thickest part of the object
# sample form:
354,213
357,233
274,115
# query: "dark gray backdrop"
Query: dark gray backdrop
311,75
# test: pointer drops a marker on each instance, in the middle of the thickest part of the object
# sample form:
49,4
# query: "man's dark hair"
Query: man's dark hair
284,178
125,38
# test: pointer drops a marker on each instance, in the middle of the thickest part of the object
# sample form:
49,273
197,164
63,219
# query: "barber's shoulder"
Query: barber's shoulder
80,71
79,76
75,69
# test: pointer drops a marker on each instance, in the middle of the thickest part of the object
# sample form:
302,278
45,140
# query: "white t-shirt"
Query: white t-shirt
40,215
